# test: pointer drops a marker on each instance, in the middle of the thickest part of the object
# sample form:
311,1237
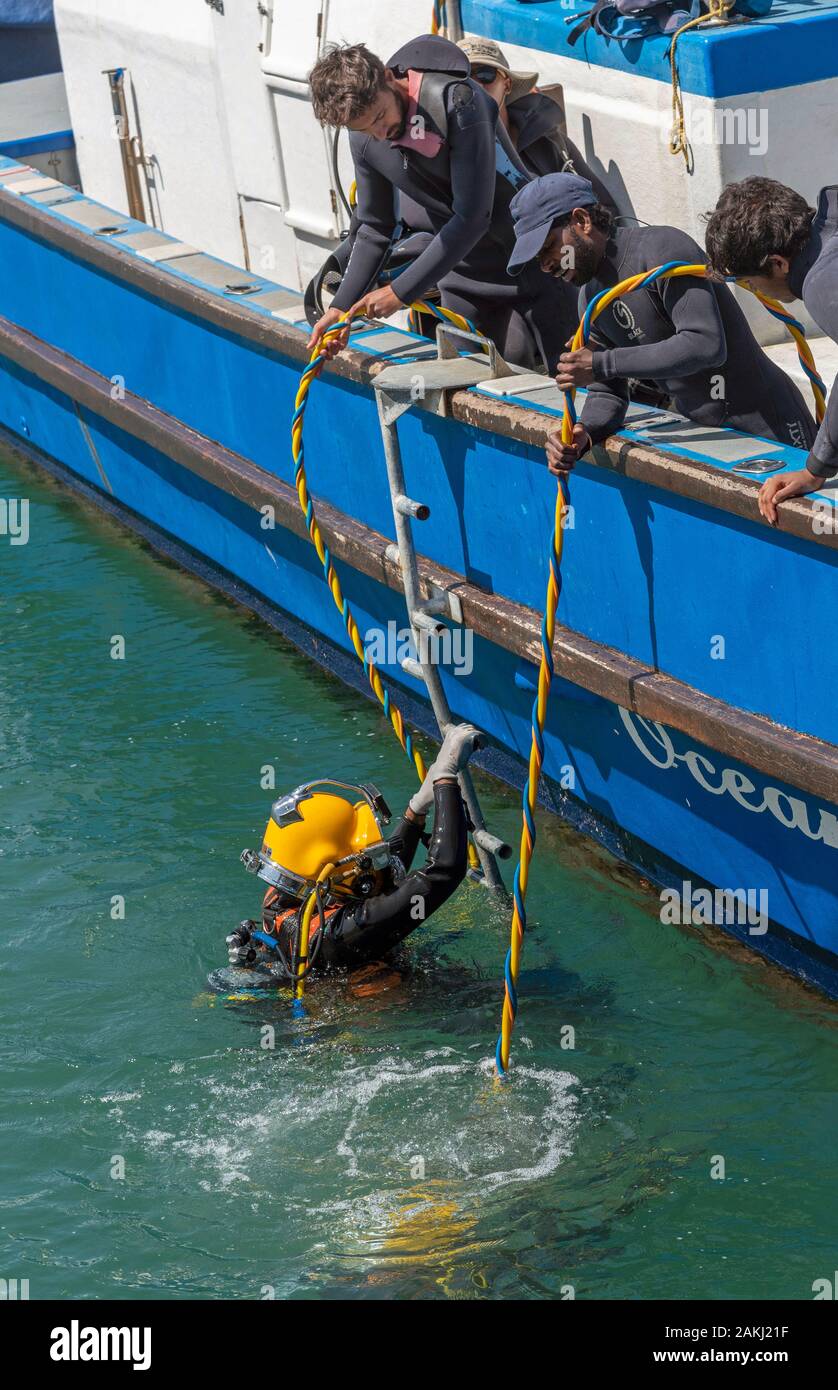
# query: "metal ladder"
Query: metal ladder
395,389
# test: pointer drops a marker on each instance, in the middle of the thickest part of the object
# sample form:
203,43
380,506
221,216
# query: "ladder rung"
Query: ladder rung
492,844
443,601
426,622
406,505
412,668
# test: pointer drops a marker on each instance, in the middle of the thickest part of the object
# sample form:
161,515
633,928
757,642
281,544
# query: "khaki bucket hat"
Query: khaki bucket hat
479,51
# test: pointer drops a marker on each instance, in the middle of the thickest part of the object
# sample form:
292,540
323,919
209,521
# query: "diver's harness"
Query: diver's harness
289,967
405,245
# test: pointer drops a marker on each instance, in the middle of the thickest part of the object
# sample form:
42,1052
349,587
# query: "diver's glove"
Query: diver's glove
239,949
457,747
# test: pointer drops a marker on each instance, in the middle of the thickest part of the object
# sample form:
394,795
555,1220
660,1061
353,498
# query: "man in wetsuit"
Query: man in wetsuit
533,120
422,127
375,905
687,335
765,233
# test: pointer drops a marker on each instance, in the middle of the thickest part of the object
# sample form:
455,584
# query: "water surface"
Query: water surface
369,1153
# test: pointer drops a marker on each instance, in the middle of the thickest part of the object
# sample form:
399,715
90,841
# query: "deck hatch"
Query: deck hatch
217,274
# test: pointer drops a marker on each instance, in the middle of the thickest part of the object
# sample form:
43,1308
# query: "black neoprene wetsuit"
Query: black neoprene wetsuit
691,338
466,204
813,276
367,930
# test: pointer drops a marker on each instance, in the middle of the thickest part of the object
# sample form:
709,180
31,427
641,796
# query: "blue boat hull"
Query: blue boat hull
661,799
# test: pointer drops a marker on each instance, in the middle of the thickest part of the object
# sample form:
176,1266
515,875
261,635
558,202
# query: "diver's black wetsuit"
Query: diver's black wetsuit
368,930
691,338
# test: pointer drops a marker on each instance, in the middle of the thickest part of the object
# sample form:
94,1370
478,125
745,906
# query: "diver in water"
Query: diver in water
369,899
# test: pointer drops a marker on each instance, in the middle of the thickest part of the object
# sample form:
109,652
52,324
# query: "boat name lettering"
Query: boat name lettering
657,747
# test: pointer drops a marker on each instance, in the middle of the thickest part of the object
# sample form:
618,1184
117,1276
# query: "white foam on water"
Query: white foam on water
369,1087
499,1136
362,1125
529,1120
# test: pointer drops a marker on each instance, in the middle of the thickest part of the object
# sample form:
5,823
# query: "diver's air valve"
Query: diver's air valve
364,884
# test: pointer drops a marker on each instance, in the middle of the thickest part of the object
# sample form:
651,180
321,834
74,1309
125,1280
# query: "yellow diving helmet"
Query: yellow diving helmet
310,829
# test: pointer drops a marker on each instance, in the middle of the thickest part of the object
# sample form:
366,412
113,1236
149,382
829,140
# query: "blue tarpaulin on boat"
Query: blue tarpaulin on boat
29,43
16,12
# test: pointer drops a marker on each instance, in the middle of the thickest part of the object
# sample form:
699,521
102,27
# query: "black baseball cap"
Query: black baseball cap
535,208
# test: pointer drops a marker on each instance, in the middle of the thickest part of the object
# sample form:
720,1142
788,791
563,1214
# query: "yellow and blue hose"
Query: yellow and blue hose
391,710
313,900
554,586
424,306
804,352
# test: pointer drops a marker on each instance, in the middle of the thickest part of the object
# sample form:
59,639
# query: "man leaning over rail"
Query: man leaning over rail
423,127
534,121
687,335
767,235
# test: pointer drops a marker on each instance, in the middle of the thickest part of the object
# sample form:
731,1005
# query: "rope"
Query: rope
804,352
678,142
438,22
423,306
600,302
391,710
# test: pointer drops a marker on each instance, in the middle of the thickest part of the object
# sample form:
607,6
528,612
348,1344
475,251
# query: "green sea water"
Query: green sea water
153,1145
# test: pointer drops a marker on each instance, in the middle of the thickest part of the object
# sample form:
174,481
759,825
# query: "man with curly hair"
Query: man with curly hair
765,233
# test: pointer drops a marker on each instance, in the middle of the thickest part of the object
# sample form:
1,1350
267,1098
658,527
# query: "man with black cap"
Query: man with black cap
422,126
686,335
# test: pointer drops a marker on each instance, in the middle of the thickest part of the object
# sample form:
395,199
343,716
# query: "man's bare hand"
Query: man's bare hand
575,369
333,344
378,304
785,485
562,457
